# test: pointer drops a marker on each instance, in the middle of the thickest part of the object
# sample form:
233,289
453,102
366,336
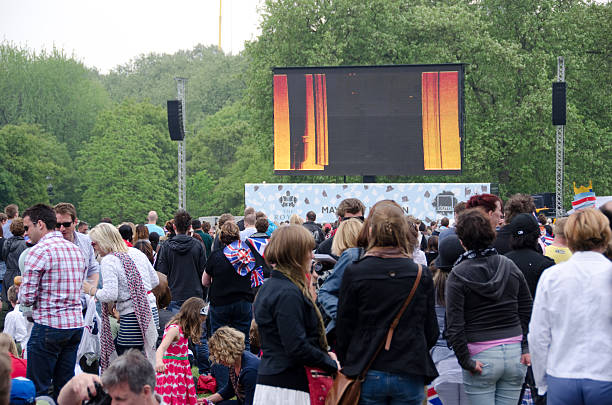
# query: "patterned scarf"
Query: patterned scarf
142,309
243,261
473,254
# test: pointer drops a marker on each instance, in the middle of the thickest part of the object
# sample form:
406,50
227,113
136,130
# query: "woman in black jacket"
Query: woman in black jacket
372,292
488,307
290,327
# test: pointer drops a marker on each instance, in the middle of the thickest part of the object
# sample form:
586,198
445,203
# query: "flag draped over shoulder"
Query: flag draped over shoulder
243,261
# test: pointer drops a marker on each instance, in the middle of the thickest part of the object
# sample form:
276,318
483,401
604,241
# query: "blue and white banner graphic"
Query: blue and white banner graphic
427,201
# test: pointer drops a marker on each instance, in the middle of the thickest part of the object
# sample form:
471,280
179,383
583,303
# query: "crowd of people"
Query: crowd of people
490,307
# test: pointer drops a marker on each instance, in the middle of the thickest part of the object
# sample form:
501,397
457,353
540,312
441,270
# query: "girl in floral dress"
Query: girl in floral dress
174,379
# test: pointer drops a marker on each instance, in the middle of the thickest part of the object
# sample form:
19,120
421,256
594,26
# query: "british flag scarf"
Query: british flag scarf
243,261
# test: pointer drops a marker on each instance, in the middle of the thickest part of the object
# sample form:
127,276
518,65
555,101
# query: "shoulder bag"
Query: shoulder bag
345,390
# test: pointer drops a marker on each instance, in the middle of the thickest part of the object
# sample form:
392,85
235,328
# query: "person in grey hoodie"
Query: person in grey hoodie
182,259
488,308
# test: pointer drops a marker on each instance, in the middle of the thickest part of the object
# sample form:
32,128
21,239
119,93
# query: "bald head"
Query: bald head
152,217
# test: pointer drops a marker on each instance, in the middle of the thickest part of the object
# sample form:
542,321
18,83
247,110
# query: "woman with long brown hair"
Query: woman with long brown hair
290,325
373,290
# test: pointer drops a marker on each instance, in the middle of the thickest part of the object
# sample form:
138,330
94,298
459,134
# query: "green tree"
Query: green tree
130,165
52,90
32,160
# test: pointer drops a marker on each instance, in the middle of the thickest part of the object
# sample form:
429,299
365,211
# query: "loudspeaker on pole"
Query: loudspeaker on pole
175,120
558,103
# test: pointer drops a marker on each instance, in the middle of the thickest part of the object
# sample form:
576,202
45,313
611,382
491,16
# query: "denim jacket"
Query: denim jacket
328,293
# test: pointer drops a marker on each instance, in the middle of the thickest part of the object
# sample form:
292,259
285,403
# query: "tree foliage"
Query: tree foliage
129,167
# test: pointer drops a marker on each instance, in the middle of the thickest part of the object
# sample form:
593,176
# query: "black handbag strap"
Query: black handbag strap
386,343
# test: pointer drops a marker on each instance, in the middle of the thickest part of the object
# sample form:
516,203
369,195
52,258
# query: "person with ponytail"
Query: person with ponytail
290,325
373,290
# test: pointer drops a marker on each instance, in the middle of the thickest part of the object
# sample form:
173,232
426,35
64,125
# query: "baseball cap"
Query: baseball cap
449,250
523,224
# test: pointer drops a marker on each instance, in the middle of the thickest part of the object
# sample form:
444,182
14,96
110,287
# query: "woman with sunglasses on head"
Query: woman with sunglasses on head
128,278
373,290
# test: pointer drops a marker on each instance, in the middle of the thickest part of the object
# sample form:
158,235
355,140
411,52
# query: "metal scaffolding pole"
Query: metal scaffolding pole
182,171
559,155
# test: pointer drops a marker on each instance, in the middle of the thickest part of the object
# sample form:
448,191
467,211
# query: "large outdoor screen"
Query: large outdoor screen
369,120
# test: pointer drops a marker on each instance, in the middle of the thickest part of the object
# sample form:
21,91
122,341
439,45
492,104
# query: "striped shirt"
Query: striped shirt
52,282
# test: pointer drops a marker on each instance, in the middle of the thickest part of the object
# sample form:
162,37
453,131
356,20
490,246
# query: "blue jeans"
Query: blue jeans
501,379
202,353
382,388
237,315
578,391
175,306
52,357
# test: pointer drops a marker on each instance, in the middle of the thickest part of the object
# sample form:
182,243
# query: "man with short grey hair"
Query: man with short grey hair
249,227
130,379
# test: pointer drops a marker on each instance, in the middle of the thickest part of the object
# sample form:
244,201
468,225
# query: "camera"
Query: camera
101,398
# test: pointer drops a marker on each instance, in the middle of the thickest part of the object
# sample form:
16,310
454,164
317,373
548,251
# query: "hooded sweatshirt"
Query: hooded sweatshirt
487,298
182,259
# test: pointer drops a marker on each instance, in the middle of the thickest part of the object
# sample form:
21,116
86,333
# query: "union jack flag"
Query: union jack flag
242,260
432,396
259,244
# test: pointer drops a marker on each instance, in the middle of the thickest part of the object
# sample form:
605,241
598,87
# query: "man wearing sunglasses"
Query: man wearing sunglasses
67,220
348,208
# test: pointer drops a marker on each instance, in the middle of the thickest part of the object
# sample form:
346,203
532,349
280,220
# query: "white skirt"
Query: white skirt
267,395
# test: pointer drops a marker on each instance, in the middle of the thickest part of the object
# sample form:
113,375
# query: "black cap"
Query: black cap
523,224
449,250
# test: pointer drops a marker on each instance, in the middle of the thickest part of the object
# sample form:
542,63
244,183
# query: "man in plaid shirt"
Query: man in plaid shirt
52,281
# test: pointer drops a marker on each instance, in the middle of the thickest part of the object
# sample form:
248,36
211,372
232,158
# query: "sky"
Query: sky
104,34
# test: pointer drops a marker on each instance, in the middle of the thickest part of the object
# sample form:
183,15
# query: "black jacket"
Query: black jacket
487,298
532,264
182,259
11,250
227,285
502,240
316,231
372,292
288,331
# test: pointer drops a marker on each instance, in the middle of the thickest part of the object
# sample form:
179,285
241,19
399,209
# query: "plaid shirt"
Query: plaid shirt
52,281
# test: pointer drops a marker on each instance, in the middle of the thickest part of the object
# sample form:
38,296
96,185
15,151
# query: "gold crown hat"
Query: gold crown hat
583,189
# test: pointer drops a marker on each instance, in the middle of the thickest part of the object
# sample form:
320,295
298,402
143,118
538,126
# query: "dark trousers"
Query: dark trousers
52,357
237,315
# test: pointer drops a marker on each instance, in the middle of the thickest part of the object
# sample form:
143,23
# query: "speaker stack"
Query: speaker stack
175,120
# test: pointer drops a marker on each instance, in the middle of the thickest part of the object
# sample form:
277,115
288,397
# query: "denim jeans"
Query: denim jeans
237,315
382,388
201,353
175,306
501,379
52,357
577,391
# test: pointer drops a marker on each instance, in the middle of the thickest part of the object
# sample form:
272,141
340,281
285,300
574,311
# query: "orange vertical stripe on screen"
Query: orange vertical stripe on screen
310,142
449,121
430,117
281,124
321,119
325,138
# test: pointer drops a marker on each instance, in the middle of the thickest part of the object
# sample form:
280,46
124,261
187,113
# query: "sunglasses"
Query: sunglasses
65,224
361,218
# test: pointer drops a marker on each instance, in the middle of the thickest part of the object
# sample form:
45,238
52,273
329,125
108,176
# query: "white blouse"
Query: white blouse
115,285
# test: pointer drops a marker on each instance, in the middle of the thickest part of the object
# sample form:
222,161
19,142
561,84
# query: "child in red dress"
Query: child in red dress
174,379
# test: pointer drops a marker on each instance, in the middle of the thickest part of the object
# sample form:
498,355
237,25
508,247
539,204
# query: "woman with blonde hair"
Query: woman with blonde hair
290,325
570,328
296,220
128,278
226,347
8,346
400,370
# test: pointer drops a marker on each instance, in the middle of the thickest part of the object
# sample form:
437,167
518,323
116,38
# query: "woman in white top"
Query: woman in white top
570,333
128,278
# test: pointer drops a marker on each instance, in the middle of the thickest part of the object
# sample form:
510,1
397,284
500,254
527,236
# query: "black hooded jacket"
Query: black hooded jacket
487,298
183,258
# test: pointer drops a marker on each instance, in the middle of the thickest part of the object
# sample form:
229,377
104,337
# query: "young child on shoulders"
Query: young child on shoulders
174,379
15,324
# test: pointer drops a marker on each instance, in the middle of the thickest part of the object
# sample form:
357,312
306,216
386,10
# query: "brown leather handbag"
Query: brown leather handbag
346,390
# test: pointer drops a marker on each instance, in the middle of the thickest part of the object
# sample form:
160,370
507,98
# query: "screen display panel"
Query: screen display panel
369,120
